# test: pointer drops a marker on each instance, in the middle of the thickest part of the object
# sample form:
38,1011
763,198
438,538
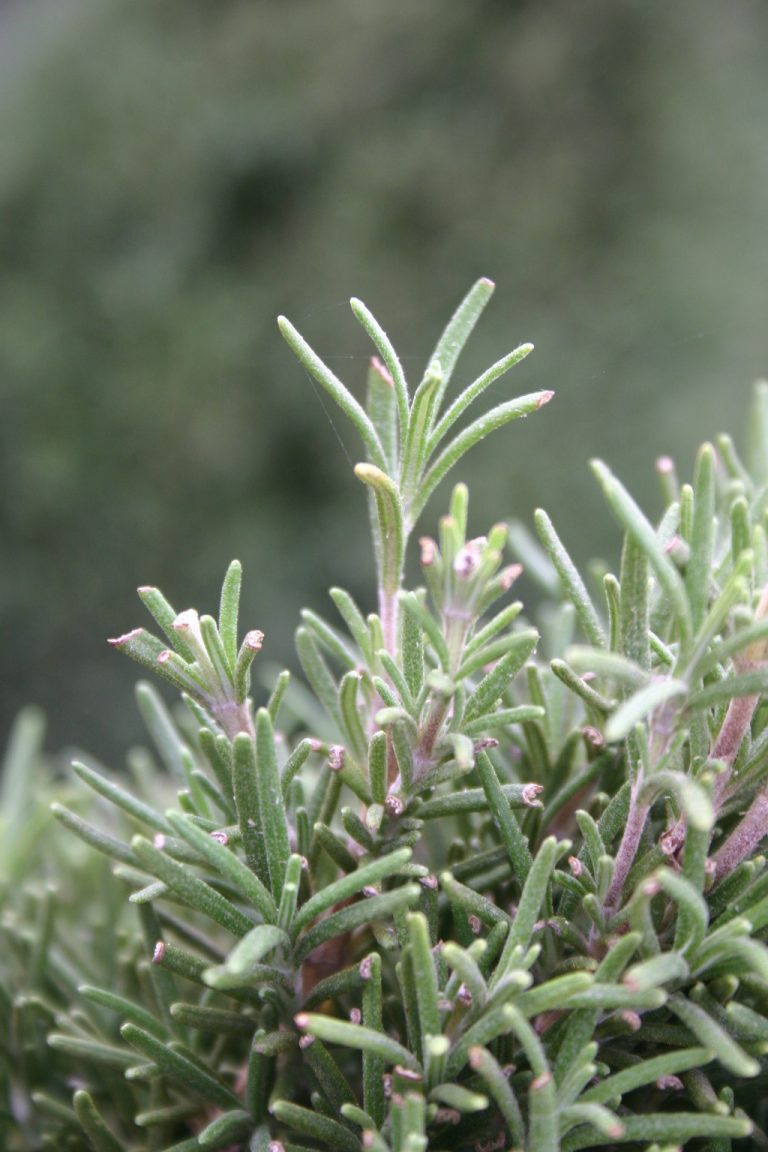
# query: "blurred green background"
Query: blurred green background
173,175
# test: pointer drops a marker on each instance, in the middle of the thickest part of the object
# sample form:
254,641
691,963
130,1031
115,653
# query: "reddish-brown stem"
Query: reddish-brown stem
745,837
388,617
735,726
234,718
630,841
737,722
422,756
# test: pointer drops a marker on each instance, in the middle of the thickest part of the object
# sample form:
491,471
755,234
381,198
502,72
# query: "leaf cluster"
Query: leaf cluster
465,897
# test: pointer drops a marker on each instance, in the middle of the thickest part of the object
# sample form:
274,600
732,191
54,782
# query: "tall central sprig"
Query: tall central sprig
404,435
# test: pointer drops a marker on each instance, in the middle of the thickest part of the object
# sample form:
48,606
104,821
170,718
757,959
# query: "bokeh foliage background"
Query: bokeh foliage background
173,175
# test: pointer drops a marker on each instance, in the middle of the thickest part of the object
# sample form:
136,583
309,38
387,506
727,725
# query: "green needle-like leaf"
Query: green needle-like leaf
711,1036
669,1129
610,664
474,390
455,1096
364,912
336,390
97,839
748,684
381,406
459,328
126,1009
572,583
390,537
495,682
247,800
96,1130
638,706
647,1072
121,798
373,1062
533,896
356,1036
471,435
251,950
226,1130
690,795
387,352
274,821
229,610
697,573
354,620
367,874
509,829
194,891
632,519
165,614
226,863
182,1071
426,984
413,606
497,1086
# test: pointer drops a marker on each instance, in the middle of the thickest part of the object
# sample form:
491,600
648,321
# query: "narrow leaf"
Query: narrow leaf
367,874
495,682
387,352
357,1036
188,1075
698,569
251,950
274,821
497,1086
363,912
459,328
390,536
93,1125
646,1072
119,797
381,406
574,586
247,801
532,897
228,612
632,519
668,1128
711,1036
194,891
335,389
471,435
475,389
511,834
373,1063
637,707
313,1124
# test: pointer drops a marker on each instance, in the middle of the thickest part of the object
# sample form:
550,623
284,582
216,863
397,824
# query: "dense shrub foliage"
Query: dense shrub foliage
478,884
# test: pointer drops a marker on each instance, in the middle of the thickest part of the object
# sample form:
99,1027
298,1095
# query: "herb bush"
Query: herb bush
483,886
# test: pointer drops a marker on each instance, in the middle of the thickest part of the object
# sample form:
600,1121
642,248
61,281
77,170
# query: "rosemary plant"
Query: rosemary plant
458,897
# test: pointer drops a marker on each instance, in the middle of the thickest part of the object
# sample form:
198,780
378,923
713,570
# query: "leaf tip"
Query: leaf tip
121,641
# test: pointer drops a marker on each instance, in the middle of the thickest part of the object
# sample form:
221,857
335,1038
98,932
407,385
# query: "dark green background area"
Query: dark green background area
174,175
